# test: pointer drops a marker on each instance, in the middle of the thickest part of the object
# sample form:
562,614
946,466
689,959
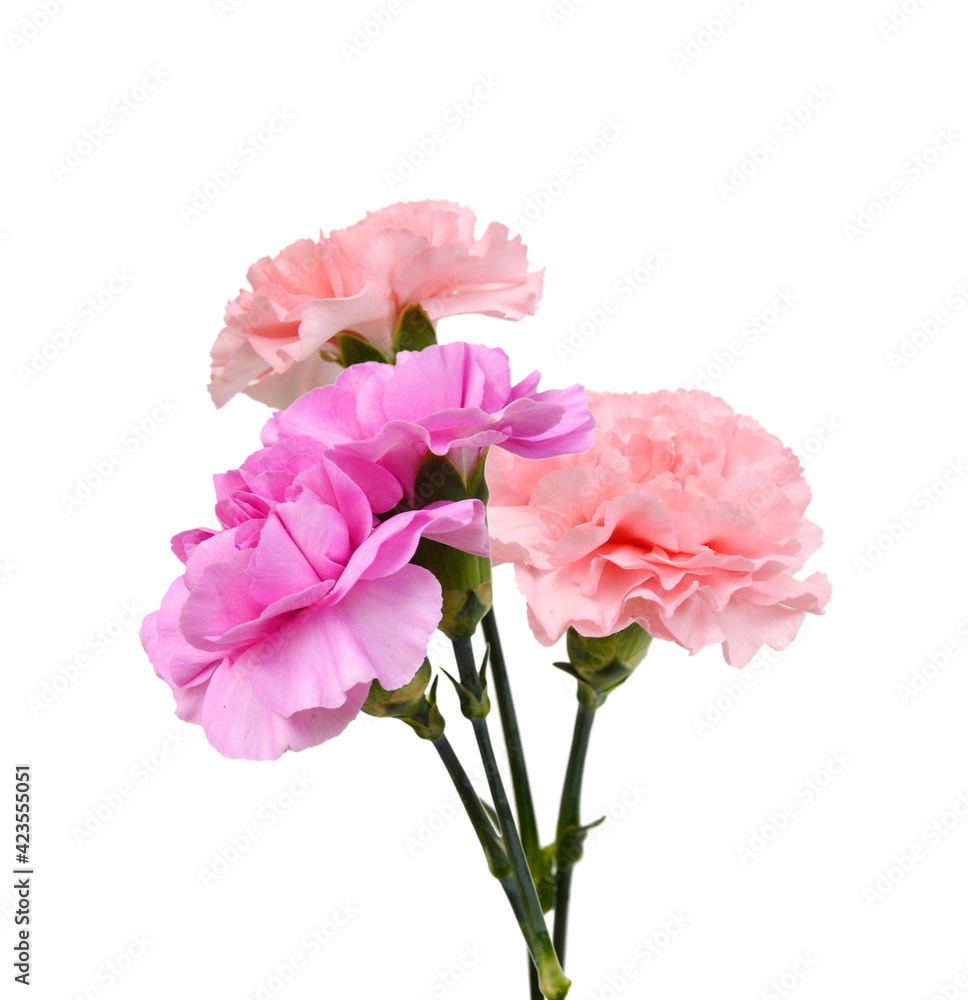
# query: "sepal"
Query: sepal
354,350
414,332
473,706
601,664
409,704
571,844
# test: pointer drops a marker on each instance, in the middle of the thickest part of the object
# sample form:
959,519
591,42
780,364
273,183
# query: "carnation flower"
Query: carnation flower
425,253
300,299
683,517
285,469
279,339
452,400
271,638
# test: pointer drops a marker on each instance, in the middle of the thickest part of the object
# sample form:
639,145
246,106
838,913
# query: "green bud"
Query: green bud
409,704
601,664
414,331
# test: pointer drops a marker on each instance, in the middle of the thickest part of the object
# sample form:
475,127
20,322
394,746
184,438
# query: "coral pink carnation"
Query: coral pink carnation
683,517
276,338
300,299
271,638
425,253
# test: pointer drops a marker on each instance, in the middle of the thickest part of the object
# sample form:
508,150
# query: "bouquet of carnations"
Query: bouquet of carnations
392,474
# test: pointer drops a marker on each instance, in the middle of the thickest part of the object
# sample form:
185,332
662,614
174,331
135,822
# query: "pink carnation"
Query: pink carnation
283,471
300,299
683,517
361,280
271,638
454,400
425,253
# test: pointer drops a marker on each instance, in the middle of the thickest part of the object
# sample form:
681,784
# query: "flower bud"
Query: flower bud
409,703
601,664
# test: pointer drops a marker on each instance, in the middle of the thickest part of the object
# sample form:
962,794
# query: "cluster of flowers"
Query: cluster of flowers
664,510
283,619
393,472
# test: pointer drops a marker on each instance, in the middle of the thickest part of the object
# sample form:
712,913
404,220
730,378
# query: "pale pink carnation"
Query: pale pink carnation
300,299
426,253
278,336
683,517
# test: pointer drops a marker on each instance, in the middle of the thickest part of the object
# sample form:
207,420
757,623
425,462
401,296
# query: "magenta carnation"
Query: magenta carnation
454,400
276,342
683,517
271,638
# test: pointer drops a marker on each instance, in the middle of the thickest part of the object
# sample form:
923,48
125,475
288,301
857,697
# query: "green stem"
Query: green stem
534,984
554,984
527,821
497,859
570,834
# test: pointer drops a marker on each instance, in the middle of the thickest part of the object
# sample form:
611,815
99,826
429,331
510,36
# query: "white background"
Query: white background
375,832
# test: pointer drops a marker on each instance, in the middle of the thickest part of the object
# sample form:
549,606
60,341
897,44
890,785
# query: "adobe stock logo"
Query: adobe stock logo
622,291
94,644
31,25
785,128
425,146
643,955
580,161
922,503
118,111
751,332
557,14
110,973
709,32
783,985
778,820
268,814
899,16
914,169
369,30
135,436
933,665
247,151
928,330
85,312
905,862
